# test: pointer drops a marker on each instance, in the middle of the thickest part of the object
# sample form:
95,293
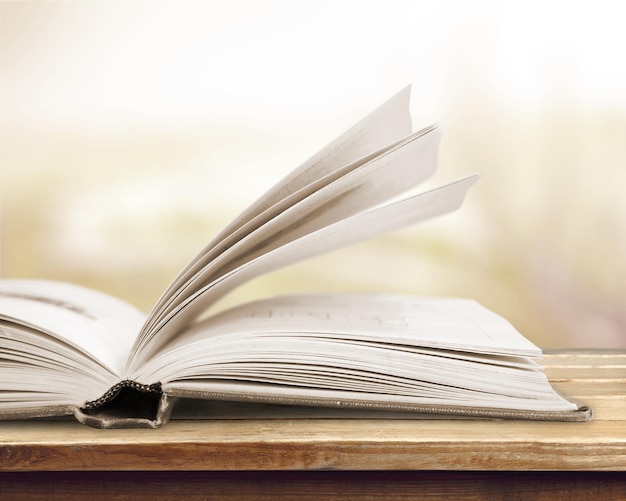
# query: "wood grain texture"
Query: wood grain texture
596,378
305,486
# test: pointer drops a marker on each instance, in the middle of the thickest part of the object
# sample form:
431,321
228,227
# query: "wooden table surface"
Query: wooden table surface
253,458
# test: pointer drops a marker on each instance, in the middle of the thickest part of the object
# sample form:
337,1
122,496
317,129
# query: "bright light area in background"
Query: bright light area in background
131,131
182,61
99,62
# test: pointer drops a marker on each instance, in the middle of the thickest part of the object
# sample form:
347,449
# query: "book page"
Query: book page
384,126
102,327
346,193
368,347
356,228
441,323
36,369
357,347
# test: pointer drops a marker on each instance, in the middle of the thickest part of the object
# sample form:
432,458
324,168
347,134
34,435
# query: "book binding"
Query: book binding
129,404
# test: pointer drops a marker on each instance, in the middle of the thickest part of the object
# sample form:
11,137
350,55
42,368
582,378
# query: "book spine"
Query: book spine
115,390
128,404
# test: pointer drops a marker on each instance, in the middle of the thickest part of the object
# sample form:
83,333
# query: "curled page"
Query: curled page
388,124
353,229
351,190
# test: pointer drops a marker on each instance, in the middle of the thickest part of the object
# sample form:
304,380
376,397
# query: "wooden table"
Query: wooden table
338,458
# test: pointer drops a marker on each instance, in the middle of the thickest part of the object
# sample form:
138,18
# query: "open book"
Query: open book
67,350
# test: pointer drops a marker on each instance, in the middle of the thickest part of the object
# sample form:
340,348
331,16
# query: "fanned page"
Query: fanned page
330,199
384,126
353,229
325,194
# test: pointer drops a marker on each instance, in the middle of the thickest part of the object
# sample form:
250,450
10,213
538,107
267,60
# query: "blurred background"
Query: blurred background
133,131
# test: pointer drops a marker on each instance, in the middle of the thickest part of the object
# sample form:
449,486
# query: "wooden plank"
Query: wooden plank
588,357
581,373
601,366
318,444
306,486
611,408
595,378
583,390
